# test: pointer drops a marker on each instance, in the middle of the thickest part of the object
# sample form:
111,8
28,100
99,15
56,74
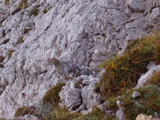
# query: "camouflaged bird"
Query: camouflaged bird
69,70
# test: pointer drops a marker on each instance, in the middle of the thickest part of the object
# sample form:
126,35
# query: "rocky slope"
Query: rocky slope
78,31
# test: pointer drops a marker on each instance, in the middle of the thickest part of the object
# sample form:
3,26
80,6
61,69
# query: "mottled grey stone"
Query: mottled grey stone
136,94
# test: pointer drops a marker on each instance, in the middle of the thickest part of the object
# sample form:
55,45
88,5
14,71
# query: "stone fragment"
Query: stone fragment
144,117
136,94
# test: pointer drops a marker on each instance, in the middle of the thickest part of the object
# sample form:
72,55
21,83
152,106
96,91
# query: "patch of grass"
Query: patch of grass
5,41
23,111
34,11
123,72
10,53
2,58
45,10
112,105
60,114
7,2
96,114
148,103
52,95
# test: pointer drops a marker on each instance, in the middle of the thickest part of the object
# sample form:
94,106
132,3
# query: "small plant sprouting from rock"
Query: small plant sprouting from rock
2,58
34,11
20,40
10,53
45,10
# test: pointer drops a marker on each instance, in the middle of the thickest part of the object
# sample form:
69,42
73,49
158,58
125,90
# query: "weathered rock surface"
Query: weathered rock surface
79,31
144,117
82,96
136,94
144,78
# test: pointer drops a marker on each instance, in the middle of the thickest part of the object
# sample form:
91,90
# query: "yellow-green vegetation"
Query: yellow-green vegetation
23,111
148,103
5,41
34,11
20,40
2,58
45,10
122,72
10,53
52,95
7,2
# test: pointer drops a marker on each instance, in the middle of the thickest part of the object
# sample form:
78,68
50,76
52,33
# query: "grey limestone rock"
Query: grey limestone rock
135,94
81,34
